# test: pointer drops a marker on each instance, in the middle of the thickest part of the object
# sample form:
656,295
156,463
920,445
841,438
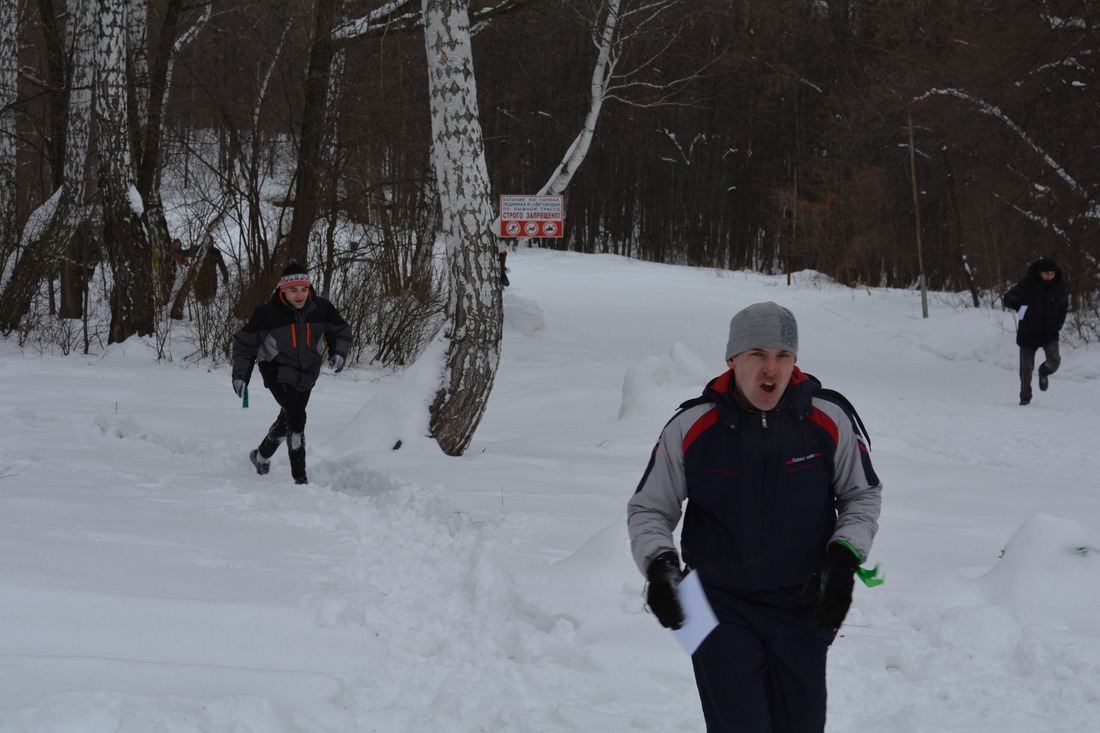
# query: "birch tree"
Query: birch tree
9,78
51,234
614,28
474,311
611,36
133,305
78,262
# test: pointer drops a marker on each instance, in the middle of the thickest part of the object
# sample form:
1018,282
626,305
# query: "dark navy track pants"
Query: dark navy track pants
762,670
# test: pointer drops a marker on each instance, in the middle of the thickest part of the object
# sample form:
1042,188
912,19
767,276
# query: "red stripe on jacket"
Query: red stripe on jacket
819,417
708,419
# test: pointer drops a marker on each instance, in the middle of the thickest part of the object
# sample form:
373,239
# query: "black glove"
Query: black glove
336,362
238,387
664,575
831,585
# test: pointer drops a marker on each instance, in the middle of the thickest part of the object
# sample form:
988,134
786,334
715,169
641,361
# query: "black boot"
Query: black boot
262,464
261,457
296,449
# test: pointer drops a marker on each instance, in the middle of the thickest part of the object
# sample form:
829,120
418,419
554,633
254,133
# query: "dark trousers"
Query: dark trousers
1027,365
762,670
290,426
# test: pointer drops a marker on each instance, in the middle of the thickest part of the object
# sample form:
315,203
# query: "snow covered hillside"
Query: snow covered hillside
151,582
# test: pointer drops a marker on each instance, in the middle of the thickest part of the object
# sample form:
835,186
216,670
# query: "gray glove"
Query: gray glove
336,362
239,386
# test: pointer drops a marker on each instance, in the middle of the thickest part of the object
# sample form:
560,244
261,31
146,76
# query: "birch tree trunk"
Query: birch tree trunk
609,37
79,260
51,230
474,312
133,308
9,82
602,74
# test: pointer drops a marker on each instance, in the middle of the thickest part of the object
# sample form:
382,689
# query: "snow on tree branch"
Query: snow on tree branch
996,112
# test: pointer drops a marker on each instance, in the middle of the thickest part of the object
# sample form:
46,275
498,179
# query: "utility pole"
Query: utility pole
916,219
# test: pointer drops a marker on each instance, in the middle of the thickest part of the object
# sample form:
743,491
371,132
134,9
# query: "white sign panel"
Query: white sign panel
531,216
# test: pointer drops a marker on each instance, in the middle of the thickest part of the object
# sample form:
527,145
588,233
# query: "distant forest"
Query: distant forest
870,140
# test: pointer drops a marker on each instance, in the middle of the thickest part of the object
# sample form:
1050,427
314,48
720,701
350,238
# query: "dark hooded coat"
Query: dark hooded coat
1047,304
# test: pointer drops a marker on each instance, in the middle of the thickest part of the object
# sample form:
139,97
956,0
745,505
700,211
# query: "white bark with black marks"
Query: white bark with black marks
9,87
133,309
474,310
51,234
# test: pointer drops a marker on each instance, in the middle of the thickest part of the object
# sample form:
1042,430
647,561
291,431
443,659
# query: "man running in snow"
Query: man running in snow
1041,303
782,507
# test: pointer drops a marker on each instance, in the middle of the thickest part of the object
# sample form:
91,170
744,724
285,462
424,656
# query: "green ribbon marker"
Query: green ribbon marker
244,400
870,577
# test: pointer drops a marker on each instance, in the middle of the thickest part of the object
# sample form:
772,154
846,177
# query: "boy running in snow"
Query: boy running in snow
284,335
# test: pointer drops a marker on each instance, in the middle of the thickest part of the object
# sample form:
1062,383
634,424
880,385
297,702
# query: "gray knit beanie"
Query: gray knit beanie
763,325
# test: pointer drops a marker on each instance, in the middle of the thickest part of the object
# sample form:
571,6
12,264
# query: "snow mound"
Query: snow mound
523,315
1049,563
812,278
404,400
656,384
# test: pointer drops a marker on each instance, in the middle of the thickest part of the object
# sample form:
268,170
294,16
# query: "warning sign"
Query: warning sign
531,216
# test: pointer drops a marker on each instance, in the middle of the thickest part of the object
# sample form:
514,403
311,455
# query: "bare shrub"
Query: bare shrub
391,328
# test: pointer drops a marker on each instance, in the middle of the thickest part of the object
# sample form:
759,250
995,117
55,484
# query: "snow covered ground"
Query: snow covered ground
150,582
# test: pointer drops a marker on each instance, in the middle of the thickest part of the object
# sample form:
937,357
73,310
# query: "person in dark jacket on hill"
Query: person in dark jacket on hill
782,507
284,335
1041,303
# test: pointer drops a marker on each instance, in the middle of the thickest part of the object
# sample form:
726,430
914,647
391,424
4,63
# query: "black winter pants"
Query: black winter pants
1027,365
290,426
762,670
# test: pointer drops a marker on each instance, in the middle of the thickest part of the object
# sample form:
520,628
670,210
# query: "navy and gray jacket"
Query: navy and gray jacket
285,341
766,492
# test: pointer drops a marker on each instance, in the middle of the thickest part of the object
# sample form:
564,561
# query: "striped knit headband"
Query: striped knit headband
293,279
